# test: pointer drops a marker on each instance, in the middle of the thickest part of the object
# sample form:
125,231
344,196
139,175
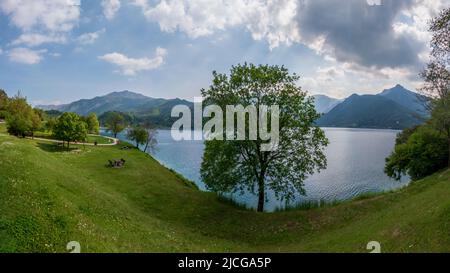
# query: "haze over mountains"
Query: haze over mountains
394,108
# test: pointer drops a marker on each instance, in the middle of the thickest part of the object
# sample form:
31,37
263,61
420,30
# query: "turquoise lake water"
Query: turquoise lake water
356,159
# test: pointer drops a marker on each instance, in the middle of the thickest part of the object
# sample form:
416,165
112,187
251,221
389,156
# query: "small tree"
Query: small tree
36,123
93,124
138,134
115,123
19,116
70,127
230,165
424,153
50,123
151,136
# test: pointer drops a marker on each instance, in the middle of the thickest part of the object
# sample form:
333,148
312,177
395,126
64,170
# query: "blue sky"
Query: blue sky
58,51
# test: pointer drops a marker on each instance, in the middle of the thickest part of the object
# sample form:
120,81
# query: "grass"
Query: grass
90,138
49,197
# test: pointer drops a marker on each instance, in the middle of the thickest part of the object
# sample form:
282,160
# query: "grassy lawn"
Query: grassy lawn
90,138
49,197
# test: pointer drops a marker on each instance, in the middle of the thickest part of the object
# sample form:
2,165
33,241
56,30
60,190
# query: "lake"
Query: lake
356,159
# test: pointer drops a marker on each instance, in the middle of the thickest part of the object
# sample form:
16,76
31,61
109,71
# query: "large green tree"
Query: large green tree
115,123
70,127
437,74
230,165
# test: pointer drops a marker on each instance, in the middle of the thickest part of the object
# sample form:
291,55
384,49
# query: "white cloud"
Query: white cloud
36,39
49,15
41,21
110,8
25,55
1,51
90,37
130,66
270,20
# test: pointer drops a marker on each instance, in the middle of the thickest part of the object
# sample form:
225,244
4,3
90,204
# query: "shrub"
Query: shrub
425,152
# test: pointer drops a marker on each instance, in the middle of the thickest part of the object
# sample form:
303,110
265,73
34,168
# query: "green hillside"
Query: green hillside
49,197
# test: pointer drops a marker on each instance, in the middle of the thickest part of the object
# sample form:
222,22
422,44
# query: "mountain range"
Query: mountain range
394,108
134,106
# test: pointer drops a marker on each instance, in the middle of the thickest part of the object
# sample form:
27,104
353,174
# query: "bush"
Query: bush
425,152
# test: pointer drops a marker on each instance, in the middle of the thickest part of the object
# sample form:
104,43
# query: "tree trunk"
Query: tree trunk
261,195
449,152
146,146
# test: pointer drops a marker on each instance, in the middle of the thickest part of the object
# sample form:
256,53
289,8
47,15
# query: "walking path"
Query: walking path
115,141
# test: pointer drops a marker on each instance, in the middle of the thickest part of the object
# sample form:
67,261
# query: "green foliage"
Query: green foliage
404,135
237,165
115,123
437,74
425,152
53,113
3,103
138,134
93,125
36,122
50,124
70,127
19,116
106,116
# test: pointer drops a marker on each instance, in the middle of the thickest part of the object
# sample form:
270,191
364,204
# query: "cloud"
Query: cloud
90,37
41,21
110,8
370,33
130,66
49,15
272,21
368,39
36,39
25,55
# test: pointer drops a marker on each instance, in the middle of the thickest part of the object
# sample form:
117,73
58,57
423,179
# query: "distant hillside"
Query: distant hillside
324,103
140,107
370,111
413,101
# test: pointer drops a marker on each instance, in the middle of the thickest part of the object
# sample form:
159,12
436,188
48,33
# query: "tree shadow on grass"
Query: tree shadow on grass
55,147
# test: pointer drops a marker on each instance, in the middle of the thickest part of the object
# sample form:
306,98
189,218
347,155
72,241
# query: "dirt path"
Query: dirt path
115,141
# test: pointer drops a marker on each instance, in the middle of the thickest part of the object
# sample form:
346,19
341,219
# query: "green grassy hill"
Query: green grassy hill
49,197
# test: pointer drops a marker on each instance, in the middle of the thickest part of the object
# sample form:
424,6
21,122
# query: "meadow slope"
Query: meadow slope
49,197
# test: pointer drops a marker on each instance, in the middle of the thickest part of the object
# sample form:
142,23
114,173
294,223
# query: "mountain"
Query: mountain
394,108
370,111
324,104
118,101
140,107
406,98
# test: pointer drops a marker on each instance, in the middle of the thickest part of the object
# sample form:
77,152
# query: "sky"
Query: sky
58,51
